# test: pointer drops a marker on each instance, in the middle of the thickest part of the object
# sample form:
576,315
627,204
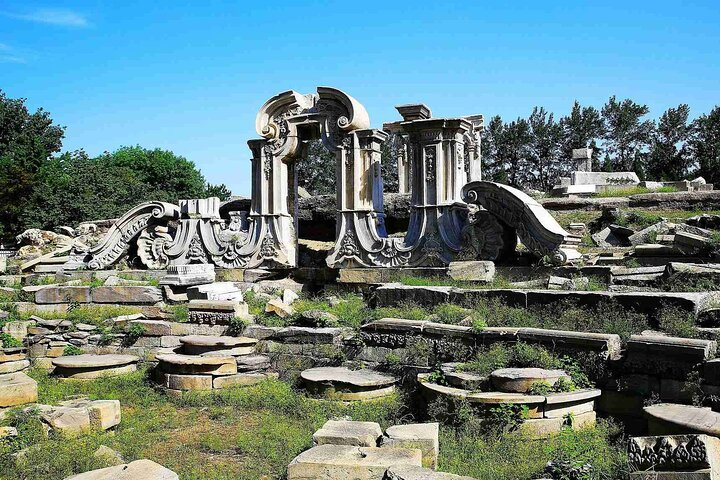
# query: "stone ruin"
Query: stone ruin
450,218
583,181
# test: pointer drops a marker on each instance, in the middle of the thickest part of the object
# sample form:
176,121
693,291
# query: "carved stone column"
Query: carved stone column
437,157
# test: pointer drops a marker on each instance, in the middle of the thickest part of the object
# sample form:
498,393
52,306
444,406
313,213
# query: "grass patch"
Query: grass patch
512,457
254,432
238,433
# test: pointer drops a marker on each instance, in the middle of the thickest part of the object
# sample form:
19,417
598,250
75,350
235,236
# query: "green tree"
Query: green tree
626,134
581,129
704,144
167,177
669,157
316,169
388,162
492,138
545,151
27,141
220,190
72,188
513,149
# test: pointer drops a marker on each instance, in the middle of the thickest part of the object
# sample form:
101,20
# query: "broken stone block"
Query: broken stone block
186,275
289,296
647,235
137,470
63,295
215,291
404,472
416,435
279,308
17,366
691,243
104,414
606,238
221,312
343,432
347,462
17,389
475,271
65,419
674,457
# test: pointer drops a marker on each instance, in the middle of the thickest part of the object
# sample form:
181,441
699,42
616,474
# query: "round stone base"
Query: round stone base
340,383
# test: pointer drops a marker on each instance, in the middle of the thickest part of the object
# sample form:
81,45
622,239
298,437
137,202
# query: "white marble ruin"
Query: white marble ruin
439,156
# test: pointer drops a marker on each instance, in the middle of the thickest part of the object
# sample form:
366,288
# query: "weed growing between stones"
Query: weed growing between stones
522,355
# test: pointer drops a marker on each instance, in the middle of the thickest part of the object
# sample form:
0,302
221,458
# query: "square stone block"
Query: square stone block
104,414
342,432
17,389
417,435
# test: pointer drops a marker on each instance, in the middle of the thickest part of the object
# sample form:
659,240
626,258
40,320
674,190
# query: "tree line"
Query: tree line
534,152
43,188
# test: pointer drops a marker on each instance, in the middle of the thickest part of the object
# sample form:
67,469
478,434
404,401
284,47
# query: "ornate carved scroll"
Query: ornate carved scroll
116,242
537,229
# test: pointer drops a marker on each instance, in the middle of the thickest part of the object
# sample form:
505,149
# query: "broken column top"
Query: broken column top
411,112
581,153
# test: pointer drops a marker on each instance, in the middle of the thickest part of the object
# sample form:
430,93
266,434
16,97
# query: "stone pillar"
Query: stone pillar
582,158
403,166
473,152
437,156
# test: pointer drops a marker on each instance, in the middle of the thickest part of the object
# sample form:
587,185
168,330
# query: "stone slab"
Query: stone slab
348,462
94,361
145,295
17,366
17,389
194,364
345,432
404,472
671,418
137,470
520,380
415,435
53,295
342,375
242,379
473,271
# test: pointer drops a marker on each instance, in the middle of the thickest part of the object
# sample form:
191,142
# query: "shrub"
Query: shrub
72,350
8,341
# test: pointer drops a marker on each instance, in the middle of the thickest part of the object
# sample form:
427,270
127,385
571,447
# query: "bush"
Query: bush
8,341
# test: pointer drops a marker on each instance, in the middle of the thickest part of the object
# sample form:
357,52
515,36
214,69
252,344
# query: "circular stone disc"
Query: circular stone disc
520,380
216,341
358,378
94,361
178,359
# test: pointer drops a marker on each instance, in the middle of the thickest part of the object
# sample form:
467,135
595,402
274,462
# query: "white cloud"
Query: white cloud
11,59
52,16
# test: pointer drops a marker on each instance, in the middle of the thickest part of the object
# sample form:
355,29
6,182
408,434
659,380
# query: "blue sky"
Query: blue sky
189,76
